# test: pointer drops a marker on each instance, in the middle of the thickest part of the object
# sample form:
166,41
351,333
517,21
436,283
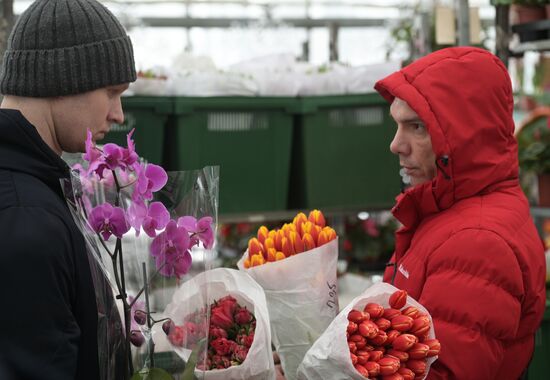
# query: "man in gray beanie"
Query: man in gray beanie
66,66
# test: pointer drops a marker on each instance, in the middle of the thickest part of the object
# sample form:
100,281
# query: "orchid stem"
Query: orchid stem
143,288
150,343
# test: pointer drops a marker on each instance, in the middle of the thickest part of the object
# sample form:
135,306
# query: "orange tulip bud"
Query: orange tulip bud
271,254
287,227
272,234
279,240
262,234
322,239
288,248
246,263
257,260
312,229
317,217
279,256
308,241
298,221
330,233
269,243
296,241
255,247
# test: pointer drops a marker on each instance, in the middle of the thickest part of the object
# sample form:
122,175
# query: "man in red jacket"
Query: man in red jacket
468,250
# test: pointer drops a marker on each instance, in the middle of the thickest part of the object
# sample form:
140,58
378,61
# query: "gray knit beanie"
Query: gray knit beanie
66,47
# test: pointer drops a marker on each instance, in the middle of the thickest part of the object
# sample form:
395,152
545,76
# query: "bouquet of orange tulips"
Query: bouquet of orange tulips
296,267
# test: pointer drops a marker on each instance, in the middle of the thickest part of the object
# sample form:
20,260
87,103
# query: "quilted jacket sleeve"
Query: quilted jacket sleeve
473,291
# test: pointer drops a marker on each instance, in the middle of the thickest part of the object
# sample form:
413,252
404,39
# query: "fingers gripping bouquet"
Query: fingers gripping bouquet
296,267
141,228
236,343
382,334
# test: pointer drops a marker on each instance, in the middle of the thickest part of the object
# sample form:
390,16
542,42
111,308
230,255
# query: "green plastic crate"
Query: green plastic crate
540,363
341,157
148,115
248,137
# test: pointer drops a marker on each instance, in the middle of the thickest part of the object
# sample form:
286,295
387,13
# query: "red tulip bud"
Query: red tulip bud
375,310
373,368
404,342
398,299
434,347
388,365
391,313
368,329
419,351
417,366
402,323
406,373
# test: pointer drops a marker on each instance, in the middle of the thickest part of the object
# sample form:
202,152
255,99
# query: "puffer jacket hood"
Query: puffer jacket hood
464,97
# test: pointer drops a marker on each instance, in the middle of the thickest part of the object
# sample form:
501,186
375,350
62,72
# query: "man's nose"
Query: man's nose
399,144
116,115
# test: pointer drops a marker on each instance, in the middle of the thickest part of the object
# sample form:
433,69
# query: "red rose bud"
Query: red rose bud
402,323
136,338
356,316
398,299
362,356
243,316
368,329
417,366
380,338
373,368
410,311
352,347
168,326
177,336
362,370
401,355
383,323
239,353
421,325
393,376
317,218
352,327
388,365
216,332
391,313
406,373
223,346
392,334
375,355
353,359
419,351
434,347
404,342
222,316
375,310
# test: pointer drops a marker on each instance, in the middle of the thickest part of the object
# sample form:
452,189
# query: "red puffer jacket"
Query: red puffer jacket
469,251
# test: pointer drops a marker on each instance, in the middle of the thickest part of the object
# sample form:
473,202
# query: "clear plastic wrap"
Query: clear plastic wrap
146,232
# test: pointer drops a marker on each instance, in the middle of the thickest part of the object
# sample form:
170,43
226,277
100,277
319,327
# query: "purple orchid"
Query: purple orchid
202,229
171,250
136,214
150,178
108,220
129,155
156,219
113,155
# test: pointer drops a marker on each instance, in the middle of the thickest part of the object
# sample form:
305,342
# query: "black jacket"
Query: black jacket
48,312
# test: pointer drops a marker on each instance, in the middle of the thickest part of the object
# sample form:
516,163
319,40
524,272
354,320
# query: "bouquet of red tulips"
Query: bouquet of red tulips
381,334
